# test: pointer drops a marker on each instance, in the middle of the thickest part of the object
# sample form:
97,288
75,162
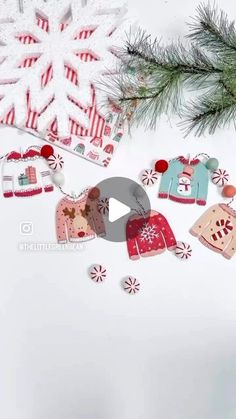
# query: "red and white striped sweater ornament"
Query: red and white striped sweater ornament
226,228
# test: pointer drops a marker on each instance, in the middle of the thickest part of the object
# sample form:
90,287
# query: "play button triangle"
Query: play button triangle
117,210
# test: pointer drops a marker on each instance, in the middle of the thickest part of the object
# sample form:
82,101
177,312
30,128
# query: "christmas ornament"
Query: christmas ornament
149,177
220,177
78,218
148,235
25,174
55,162
216,229
159,74
52,55
185,181
58,179
131,285
47,151
229,191
103,206
183,250
161,166
98,273
212,164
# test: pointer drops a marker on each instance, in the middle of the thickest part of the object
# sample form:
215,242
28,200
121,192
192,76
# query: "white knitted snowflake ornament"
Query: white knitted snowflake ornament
52,56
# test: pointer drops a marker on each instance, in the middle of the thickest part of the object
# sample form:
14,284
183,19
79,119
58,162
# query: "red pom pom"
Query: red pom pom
161,166
229,191
94,193
47,151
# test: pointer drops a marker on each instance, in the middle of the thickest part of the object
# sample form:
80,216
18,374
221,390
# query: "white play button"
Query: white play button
117,210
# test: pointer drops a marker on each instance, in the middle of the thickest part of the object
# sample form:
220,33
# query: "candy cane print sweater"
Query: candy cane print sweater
148,235
216,229
78,220
185,181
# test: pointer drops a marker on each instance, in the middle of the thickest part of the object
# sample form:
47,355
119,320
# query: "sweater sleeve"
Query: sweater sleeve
98,222
131,241
167,232
7,186
47,182
202,182
165,185
230,250
204,221
61,225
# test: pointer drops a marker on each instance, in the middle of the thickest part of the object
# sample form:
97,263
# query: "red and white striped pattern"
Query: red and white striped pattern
220,177
131,285
183,251
149,177
97,122
98,273
227,227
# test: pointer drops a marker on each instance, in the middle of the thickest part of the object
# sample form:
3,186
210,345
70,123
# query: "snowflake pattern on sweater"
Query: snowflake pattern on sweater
148,235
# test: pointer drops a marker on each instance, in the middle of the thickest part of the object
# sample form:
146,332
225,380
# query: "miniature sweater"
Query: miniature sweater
148,235
216,229
25,175
185,182
78,220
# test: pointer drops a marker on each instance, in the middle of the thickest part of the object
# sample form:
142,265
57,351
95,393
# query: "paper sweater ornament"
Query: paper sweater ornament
216,229
185,181
25,175
78,220
53,56
148,235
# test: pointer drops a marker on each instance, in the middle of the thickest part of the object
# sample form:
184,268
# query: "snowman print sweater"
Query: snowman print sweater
185,181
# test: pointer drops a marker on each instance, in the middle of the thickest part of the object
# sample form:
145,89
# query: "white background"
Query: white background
73,349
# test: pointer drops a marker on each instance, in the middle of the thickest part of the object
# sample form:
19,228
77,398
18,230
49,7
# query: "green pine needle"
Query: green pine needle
153,78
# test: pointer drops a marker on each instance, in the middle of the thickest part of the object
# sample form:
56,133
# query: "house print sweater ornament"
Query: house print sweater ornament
185,181
148,235
216,229
77,220
25,175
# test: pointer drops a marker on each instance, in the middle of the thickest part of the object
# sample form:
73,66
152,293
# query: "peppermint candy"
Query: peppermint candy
220,177
149,177
183,250
98,273
131,285
55,162
103,206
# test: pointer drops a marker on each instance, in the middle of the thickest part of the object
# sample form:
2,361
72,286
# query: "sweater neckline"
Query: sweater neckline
193,162
228,209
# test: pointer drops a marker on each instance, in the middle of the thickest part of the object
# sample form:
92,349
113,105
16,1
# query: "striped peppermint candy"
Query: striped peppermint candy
131,285
103,206
183,250
98,273
220,177
149,177
55,162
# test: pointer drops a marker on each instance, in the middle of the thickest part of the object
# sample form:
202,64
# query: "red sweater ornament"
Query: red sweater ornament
148,235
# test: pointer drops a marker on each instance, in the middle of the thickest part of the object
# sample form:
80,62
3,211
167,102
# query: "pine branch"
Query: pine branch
213,110
152,78
212,30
